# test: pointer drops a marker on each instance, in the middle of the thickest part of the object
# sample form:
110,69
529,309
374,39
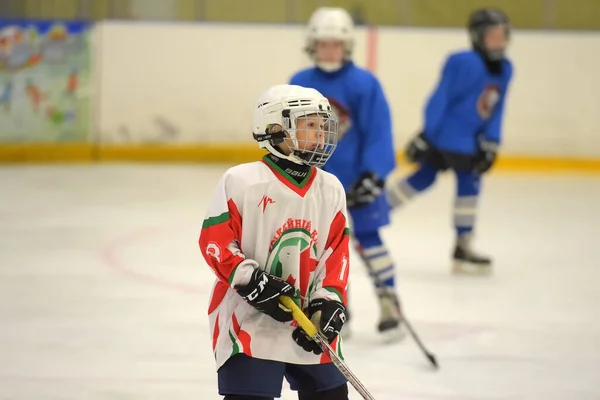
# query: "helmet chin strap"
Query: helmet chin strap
276,151
495,55
329,66
490,55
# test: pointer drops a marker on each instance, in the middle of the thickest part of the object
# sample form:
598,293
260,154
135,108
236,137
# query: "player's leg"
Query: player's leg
382,271
317,382
366,222
466,260
243,397
338,393
400,191
247,378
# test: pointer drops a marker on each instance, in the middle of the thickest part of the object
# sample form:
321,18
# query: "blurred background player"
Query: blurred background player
270,220
365,154
463,120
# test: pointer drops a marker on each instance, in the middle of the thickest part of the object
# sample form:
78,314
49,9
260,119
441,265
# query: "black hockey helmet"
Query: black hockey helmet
479,22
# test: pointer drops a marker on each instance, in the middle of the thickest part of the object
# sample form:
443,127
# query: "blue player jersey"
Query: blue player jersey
468,102
365,132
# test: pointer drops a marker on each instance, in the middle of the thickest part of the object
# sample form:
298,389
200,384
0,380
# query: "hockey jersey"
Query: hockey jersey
260,217
365,125
467,102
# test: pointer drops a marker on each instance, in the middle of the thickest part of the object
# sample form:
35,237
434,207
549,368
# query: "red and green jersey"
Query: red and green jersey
260,217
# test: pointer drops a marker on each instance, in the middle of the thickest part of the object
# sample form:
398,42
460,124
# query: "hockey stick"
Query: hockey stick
430,356
318,337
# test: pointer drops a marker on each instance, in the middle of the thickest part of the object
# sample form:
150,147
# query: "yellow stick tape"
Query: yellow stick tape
299,316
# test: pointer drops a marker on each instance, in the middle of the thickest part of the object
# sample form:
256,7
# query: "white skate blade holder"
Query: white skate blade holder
460,267
395,335
313,332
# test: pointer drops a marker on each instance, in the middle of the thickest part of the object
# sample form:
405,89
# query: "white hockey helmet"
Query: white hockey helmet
275,120
328,23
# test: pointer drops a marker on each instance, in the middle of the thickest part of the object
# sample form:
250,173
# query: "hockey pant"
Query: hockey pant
468,183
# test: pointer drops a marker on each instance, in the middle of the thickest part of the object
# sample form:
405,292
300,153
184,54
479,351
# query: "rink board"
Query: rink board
230,153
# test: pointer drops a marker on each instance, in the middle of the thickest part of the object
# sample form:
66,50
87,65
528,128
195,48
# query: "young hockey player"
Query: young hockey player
365,155
277,227
462,130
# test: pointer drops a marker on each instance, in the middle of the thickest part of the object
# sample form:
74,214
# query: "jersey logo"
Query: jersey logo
298,174
344,121
213,250
265,201
488,100
294,254
259,289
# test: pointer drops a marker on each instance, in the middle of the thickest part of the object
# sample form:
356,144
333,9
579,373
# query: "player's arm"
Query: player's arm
220,245
220,237
377,158
377,141
327,301
493,128
418,148
489,141
333,267
438,102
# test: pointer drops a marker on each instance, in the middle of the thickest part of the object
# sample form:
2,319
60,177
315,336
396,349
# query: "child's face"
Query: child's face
310,134
329,51
495,38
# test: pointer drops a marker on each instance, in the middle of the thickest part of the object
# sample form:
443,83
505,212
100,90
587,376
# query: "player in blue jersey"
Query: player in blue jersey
365,153
462,132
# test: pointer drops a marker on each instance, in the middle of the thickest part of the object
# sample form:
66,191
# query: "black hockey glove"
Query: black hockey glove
486,156
368,188
329,316
417,149
263,292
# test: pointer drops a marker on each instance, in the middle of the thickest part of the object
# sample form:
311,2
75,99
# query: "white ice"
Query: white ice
103,291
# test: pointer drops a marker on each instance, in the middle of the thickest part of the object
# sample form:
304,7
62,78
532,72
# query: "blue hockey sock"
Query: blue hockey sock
402,191
377,259
465,204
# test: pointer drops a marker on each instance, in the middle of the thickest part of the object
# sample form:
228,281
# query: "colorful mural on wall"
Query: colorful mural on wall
44,81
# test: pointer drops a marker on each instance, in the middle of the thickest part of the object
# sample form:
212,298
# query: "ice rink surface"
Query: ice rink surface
103,291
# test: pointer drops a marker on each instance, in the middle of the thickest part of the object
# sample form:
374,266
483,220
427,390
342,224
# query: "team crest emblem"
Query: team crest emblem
488,100
294,252
344,121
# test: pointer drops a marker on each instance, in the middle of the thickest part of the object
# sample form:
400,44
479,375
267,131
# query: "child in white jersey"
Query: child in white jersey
278,227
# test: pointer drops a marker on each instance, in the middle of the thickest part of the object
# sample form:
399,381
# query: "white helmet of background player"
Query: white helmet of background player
330,24
296,123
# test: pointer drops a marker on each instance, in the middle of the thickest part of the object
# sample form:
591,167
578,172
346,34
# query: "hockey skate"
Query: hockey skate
390,320
467,261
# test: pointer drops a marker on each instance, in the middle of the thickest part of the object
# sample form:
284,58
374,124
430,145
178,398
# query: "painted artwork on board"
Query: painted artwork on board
44,81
